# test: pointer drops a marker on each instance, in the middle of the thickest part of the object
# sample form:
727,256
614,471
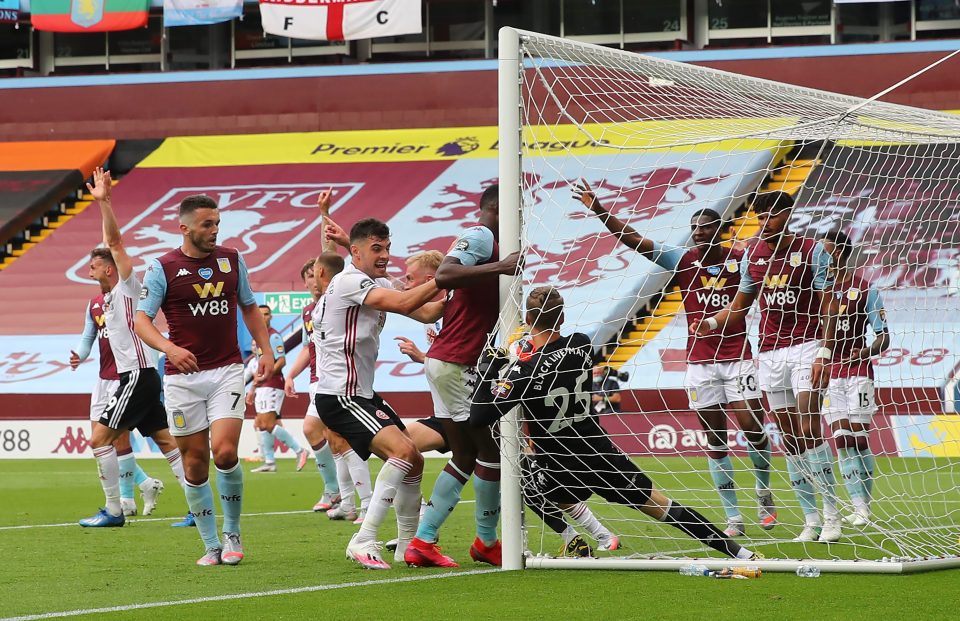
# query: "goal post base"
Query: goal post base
768,565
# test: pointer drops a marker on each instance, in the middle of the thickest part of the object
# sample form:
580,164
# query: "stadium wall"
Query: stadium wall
437,94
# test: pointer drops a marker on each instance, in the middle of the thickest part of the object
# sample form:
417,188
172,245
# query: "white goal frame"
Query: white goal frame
515,557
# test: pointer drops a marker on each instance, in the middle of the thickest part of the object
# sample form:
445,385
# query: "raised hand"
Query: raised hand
102,185
335,232
583,193
323,201
511,265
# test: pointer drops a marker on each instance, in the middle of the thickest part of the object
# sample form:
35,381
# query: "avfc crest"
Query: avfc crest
796,259
224,265
179,420
853,293
732,266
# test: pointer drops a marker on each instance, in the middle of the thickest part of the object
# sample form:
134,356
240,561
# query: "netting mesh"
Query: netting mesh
657,141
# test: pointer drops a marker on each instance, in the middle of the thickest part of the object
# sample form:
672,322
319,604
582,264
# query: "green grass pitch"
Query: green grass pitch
49,568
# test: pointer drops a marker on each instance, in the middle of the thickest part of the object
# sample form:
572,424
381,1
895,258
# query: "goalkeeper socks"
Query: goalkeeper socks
360,474
175,459
230,487
443,499
803,488
327,468
126,464
583,516
200,501
389,480
139,476
266,447
820,462
486,487
345,483
287,438
407,507
108,469
697,526
760,458
722,472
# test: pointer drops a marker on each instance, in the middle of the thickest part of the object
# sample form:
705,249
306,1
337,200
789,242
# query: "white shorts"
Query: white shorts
268,400
195,400
312,408
451,386
100,397
785,373
721,383
850,398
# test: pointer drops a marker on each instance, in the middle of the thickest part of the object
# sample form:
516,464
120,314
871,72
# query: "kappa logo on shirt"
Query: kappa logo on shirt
183,272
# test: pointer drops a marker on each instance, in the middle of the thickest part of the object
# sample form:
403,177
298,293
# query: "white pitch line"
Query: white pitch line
235,596
170,519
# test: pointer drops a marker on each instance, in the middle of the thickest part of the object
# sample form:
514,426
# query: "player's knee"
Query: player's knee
269,425
716,450
225,456
755,437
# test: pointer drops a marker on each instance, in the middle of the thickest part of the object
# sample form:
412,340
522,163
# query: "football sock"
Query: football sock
869,464
345,483
108,469
759,455
287,438
230,487
721,470
200,501
486,487
407,507
126,464
176,464
139,476
266,447
803,488
389,480
327,468
360,473
850,465
443,499
582,515
697,526
820,462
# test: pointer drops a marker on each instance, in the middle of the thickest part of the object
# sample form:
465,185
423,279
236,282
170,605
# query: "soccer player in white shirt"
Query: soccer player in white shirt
136,403
347,324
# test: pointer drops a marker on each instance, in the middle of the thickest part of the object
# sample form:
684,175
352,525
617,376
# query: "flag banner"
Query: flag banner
340,20
9,11
199,12
89,15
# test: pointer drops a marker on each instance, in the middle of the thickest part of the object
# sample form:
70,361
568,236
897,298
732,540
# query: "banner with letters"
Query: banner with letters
200,12
9,11
340,20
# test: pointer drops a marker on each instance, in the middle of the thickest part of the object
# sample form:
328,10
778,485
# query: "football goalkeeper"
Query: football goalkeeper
575,459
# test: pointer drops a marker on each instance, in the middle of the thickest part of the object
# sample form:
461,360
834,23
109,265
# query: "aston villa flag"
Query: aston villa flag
340,20
89,15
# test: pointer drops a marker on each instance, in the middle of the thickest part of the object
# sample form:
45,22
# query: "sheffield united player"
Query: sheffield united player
721,376
470,271
574,457
789,274
199,287
346,329
267,398
849,405
316,275
136,403
95,329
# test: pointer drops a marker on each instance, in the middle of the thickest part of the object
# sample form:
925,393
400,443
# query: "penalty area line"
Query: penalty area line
253,595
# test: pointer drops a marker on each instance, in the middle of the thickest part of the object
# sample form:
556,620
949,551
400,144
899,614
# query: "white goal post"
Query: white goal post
660,140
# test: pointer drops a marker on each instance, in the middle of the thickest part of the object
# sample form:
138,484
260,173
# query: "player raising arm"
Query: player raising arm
136,402
574,456
849,405
347,323
721,376
789,274
200,286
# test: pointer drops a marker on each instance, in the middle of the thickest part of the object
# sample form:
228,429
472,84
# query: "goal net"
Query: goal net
657,142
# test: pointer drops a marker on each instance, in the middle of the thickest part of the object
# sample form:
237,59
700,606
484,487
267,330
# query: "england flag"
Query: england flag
340,20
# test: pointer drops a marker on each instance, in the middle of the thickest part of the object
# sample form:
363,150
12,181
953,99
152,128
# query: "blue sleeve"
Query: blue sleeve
244,292
474,246
154,289
821,268
88,337
276,344
747,285
876,315
667,257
